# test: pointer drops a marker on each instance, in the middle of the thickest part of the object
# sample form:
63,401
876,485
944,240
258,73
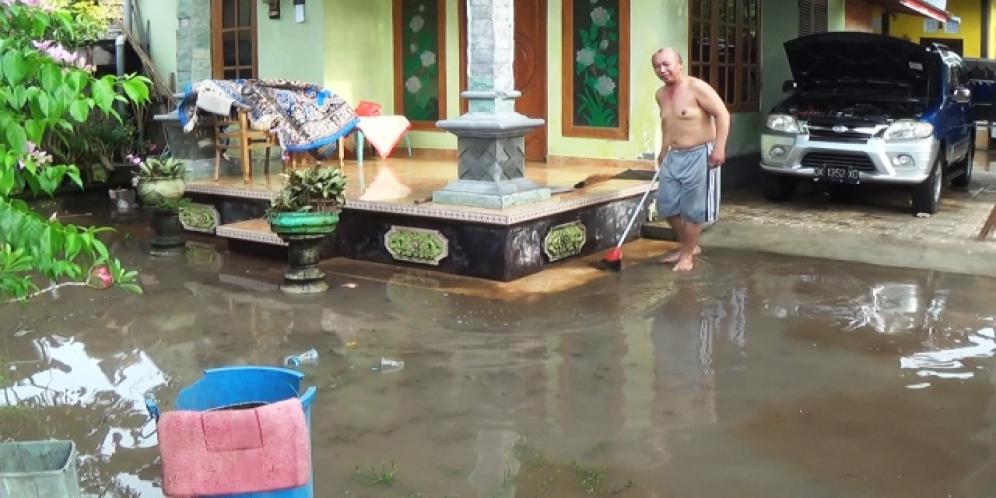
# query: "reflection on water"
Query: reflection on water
386,186
949,363
755,376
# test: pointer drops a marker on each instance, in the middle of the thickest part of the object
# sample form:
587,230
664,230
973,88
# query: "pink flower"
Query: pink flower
37,156
45,5
60,54
100,277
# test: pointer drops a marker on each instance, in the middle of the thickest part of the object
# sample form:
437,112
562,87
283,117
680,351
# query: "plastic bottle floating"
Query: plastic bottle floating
309,357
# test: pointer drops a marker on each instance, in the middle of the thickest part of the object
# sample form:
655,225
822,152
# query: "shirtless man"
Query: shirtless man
694,127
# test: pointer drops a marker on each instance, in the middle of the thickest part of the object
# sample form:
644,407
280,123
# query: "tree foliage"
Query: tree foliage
46,92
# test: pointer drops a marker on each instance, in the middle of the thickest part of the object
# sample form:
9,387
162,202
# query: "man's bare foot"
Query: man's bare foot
684,265
673,255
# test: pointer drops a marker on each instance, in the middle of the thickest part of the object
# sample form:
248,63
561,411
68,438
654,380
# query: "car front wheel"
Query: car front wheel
927,195
965,166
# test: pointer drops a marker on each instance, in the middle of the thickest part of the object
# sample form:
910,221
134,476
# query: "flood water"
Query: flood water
755,376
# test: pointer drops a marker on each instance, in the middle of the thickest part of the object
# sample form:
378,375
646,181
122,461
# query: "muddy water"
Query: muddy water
755,376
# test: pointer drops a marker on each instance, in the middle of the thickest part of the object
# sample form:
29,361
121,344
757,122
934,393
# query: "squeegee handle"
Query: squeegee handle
639,207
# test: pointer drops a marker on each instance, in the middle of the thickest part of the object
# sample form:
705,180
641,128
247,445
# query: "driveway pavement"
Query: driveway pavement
873,225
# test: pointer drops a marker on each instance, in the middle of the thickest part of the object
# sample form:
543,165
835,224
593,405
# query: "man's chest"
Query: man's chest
680,106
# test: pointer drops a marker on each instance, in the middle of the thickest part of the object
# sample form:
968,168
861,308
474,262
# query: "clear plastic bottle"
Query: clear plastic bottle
309,357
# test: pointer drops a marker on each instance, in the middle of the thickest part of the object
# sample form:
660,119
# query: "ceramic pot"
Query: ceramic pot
156,191
304,233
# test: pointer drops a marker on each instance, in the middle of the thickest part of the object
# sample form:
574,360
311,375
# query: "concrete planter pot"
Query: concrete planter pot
304,233
156,192
168,239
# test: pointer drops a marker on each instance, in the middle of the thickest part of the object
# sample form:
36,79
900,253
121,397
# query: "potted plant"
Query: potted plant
303,213
160,183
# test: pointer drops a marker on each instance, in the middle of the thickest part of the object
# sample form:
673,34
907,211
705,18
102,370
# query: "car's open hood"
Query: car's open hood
829,61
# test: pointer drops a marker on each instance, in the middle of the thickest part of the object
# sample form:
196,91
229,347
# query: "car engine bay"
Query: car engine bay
851,113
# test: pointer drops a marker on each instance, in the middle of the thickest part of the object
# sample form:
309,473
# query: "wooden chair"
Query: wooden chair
236,133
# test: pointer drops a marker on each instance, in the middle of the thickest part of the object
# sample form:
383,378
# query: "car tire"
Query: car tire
966,166
778,188
927,195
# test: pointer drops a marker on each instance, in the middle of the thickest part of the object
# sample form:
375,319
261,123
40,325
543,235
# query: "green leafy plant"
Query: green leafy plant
96,147
384,476
315,189
91,19
46,91
165,168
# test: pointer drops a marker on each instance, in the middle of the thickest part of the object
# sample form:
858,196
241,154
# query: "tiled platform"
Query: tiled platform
405,186
389,217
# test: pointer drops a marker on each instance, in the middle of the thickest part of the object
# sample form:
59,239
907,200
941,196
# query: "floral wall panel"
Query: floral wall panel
419,48
597,41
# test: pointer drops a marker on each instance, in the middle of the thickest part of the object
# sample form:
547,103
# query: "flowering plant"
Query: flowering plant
46,91
596,66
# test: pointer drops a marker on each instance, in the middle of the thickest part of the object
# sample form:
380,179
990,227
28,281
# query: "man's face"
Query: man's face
666,66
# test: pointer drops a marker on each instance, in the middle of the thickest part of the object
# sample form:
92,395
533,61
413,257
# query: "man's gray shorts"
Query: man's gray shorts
688,186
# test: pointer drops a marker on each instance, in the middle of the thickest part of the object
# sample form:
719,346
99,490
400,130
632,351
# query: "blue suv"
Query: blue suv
869,108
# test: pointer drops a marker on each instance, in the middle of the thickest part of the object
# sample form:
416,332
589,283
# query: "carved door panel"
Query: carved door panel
530,70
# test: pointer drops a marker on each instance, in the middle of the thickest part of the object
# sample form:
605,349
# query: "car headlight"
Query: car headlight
906,129
783,123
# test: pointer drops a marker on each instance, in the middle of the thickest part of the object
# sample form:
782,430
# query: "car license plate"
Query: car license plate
839,174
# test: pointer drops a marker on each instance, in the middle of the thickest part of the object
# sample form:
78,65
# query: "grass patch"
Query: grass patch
383,476
589,479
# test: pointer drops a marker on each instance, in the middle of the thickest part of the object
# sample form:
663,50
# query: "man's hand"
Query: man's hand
661,156
717,158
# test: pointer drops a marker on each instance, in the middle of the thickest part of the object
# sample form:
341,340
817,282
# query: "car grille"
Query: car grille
832,136
819,159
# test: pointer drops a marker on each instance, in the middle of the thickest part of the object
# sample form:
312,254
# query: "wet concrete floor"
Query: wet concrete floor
757,375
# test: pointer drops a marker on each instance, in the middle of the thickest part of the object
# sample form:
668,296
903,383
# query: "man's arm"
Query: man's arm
713,105
665,136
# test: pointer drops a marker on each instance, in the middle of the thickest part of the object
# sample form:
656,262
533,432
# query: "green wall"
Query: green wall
836,21
289,50
653,24
162,34
358,50
780,25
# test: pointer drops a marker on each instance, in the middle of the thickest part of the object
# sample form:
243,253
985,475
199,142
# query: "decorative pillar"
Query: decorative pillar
491,136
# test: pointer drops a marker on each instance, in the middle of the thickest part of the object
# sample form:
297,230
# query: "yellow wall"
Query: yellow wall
992,30
970,32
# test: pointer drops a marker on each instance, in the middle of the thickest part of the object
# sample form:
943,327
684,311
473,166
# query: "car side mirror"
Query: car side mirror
788,86
962,95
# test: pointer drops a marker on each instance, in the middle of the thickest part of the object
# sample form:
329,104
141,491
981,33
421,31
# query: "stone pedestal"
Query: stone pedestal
491,136
303,255
492,163
168,239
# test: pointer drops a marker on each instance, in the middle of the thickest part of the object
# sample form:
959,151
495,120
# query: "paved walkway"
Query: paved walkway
872,226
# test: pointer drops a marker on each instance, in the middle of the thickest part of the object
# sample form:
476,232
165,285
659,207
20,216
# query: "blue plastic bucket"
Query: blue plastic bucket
233,387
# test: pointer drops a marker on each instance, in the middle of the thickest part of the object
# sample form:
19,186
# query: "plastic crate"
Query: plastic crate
38,469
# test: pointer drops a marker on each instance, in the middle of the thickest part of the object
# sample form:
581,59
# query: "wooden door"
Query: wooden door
233,39
530,68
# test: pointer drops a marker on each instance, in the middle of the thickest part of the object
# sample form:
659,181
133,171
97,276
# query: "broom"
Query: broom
613,260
